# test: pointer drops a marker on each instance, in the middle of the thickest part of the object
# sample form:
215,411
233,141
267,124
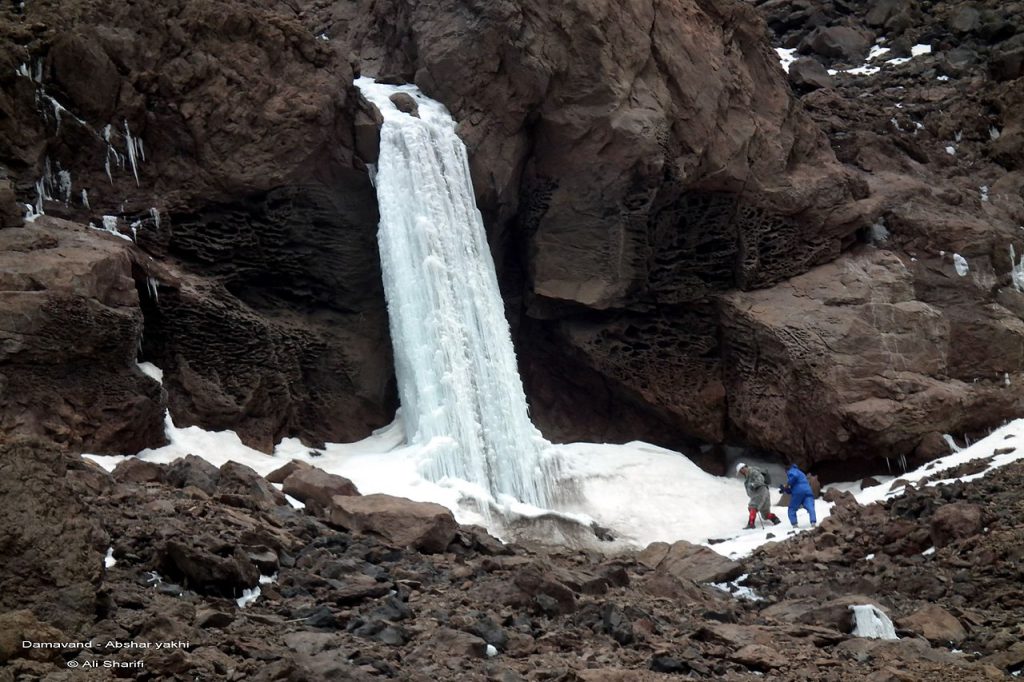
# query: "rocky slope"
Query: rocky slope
412,596
695,251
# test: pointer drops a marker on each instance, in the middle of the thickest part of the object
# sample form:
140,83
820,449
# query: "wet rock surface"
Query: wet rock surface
336,603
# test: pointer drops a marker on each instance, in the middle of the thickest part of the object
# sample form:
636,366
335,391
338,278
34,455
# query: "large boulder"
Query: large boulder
955,521
686,561
877,360
70,327
935,624
52,546
422,525
316,487
838,42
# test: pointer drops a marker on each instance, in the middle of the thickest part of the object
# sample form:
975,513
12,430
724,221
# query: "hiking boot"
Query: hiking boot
749,526
775,520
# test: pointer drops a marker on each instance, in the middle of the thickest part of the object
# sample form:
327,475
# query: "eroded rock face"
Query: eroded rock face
635,175
219,137
636,163
70,326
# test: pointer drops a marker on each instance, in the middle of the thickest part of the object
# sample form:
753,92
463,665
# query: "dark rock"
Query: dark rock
423,525
1007,65
211,618
488,630
255,491
70,327
551,596
11,214
133,470
838,42
882,12
808,73
956,521
965,20
208,566
20,626
935,624
759,657
405,103
53,547
616,624
193,471
686,561
316,487
668,664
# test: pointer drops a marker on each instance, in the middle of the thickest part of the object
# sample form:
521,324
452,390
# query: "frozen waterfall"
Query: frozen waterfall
458,382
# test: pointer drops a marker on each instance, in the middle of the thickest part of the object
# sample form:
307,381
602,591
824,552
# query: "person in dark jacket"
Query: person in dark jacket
759,496
800,494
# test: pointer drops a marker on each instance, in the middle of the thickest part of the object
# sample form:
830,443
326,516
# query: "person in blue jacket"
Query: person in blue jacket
800,494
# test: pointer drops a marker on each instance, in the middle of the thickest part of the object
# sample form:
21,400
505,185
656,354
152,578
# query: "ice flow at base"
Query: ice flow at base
871,622
458,381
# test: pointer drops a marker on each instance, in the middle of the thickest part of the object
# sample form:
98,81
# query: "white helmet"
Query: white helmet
740,466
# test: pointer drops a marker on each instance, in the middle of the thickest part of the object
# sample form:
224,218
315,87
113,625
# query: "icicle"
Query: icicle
871,622
151,286
132,151
1017,270
64,184
135,230
458,382
155,215
85,199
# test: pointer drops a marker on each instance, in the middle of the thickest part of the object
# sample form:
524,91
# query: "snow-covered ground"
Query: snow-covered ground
641,492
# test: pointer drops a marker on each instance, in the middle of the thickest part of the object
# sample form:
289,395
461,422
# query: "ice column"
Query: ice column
458,381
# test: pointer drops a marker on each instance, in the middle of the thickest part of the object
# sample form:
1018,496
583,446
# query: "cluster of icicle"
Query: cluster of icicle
458,382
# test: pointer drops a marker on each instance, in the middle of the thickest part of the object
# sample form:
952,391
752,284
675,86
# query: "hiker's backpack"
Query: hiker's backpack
767,477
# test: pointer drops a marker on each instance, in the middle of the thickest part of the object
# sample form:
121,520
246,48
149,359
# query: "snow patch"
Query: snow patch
152,371
877,51
109,561
741,592
920,49
249,596
786,57
870,622
960,263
